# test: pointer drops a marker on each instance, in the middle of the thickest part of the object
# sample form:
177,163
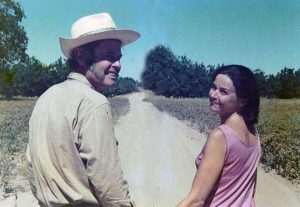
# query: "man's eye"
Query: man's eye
110,58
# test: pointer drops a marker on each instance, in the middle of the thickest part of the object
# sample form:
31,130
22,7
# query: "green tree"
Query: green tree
175,76
272,86
13,37
202,80
6,82
58,71
261,79
297,73
13,43
123,86
158,62
288,80
32,78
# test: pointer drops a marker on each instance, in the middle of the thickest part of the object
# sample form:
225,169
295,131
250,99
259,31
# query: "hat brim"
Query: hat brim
125,36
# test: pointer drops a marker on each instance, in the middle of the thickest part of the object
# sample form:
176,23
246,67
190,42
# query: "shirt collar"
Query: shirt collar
81,78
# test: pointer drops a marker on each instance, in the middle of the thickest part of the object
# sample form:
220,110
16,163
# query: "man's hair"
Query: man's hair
86,55
246,87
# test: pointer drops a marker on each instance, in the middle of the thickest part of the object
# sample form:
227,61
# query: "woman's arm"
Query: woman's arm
208,171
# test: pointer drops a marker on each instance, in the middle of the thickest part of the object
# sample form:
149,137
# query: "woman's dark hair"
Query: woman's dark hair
87,54
246,87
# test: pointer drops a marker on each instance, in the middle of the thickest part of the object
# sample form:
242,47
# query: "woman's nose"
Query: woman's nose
213,93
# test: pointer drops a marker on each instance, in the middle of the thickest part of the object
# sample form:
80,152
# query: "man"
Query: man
72,156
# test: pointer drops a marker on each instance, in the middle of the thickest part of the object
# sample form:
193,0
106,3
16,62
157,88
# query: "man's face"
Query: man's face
104,72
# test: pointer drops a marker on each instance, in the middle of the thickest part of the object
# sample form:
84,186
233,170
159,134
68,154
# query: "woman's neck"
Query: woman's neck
226,118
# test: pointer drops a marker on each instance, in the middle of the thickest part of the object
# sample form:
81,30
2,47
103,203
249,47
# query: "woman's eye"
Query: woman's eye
223,91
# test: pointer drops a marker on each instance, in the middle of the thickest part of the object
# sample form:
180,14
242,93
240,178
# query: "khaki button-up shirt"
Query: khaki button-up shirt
72,155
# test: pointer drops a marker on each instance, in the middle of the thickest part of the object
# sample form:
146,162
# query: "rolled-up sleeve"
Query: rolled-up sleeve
99,152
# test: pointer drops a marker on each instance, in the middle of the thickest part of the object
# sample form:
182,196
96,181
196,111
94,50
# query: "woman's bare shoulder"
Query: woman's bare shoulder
216,133
216,139
215,148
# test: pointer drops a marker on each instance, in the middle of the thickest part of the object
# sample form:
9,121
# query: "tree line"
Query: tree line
32,78
177,76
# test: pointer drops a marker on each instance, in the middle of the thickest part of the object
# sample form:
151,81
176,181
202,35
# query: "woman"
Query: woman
227,164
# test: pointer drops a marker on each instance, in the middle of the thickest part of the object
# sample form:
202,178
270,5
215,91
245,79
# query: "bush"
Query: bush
279,127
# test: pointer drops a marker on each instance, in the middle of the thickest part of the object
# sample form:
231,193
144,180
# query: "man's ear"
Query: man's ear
79,57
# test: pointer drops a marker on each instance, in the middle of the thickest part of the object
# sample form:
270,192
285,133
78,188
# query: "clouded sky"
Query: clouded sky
261,34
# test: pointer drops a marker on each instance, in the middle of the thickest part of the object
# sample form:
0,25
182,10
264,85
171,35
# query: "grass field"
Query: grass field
194,111
279,127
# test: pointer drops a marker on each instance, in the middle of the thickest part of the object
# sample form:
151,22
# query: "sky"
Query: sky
262,34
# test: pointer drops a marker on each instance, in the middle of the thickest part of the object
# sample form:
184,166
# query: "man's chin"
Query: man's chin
109,84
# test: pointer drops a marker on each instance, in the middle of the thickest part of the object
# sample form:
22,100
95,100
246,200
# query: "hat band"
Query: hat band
97,31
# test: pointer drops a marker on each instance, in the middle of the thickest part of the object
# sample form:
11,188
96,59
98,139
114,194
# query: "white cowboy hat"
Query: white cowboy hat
95,27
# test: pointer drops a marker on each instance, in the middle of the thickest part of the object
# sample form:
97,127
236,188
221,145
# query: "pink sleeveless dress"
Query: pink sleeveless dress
236,184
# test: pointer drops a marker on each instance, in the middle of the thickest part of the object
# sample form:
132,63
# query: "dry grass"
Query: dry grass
14,117
195,112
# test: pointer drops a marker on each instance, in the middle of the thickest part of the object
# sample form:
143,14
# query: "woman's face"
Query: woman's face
223,98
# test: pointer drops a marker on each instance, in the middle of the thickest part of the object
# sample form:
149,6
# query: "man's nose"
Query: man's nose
117,64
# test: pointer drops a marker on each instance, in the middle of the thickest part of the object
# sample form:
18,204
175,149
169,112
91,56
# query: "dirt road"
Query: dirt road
157,154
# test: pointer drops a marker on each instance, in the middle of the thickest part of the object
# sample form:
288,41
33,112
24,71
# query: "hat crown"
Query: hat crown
92,24
93,28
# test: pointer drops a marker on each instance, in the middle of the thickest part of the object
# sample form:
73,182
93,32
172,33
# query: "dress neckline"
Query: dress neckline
239,138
